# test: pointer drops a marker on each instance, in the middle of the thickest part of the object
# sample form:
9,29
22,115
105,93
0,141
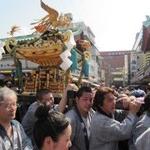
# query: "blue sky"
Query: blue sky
114,22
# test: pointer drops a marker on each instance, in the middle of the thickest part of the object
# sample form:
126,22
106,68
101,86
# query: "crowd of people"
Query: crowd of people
99,119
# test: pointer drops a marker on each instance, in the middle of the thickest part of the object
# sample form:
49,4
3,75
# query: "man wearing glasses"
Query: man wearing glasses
12,135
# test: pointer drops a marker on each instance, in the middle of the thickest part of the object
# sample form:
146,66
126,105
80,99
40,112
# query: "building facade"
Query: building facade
116,66
140,58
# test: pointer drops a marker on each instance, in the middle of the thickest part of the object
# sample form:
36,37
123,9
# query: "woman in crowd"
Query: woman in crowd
52,130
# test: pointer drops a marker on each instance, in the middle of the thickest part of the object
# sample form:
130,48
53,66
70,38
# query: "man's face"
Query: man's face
85,102
48,99
109,103
8,108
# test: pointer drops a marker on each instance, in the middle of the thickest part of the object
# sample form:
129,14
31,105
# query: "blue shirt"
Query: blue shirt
18,141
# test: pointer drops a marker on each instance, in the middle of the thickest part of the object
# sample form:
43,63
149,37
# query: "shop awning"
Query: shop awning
5,71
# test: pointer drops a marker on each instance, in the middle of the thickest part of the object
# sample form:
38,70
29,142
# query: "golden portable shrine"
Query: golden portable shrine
52,47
